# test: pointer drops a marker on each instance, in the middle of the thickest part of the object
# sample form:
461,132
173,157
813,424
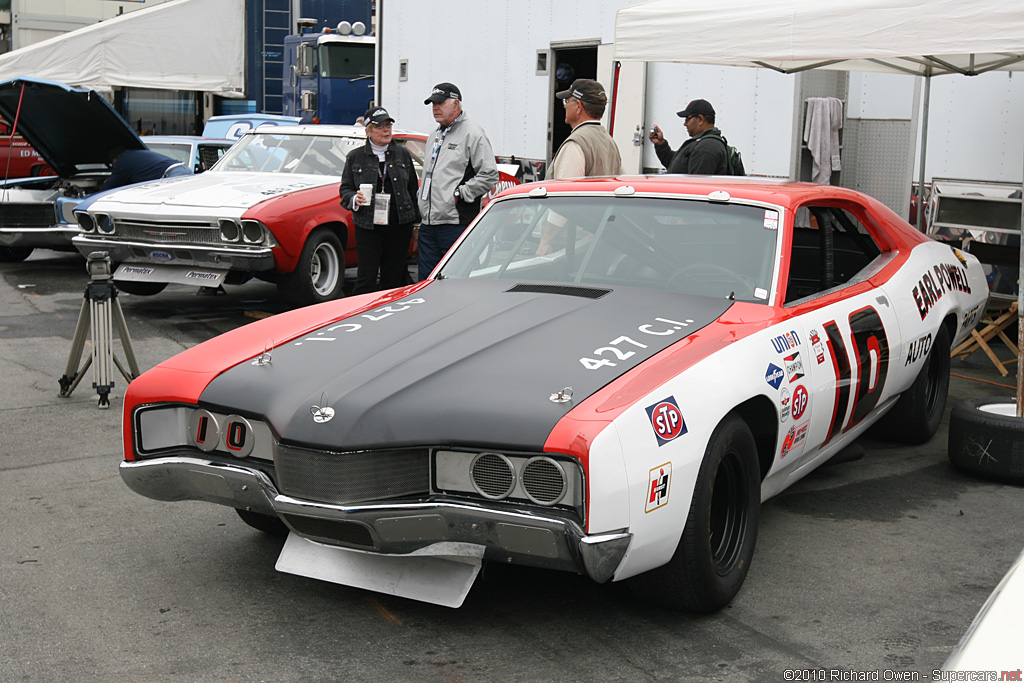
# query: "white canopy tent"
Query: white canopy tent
179,45
921,37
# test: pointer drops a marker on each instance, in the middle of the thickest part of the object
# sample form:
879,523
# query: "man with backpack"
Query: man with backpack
706,152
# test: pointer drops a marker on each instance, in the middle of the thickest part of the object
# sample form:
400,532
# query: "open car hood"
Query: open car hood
73,129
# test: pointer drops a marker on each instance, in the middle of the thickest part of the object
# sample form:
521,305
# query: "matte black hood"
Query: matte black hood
71,128
474,364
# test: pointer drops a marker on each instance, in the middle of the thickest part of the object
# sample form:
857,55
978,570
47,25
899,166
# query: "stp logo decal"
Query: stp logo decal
658,485
799,402
774,376
667,420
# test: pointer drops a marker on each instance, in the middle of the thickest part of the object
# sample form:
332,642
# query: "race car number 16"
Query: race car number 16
663,328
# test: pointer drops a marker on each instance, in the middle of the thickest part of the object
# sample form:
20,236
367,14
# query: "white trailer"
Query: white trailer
508,57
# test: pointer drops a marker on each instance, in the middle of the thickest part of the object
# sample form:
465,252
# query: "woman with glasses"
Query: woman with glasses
379,185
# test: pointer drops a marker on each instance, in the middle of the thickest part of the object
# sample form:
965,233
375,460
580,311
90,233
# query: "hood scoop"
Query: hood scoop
583,292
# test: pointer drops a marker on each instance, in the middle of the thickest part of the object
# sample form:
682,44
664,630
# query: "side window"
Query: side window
831,247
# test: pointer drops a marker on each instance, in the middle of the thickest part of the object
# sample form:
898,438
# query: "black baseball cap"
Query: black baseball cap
696,108
442,92
377,115
584,90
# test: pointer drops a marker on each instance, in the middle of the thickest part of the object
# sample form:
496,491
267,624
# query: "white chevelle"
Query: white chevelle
605,376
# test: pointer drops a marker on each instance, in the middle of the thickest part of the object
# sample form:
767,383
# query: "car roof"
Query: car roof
778,191
188,139
334,130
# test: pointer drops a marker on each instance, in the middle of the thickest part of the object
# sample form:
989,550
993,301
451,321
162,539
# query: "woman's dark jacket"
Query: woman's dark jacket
363,167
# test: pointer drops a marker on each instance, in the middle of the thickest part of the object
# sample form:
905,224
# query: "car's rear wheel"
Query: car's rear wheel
714,553
320,272
916,416
268,524
14,254
140,288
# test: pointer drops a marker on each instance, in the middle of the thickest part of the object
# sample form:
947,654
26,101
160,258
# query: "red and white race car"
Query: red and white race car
605,376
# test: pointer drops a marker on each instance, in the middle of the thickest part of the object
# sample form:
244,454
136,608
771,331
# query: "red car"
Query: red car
270,208
18,159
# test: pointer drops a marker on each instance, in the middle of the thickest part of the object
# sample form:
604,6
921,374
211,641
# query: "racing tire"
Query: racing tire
268,524
986,439
918,411
713,556
14,254
140,288
320,273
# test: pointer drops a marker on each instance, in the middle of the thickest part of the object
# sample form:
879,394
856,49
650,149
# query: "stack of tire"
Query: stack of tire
986,439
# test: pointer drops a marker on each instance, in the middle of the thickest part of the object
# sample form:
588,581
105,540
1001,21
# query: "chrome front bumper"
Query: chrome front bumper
518,537
250,259
51,237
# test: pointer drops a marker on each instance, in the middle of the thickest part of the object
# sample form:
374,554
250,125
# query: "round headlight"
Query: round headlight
229,231
493,475
544,481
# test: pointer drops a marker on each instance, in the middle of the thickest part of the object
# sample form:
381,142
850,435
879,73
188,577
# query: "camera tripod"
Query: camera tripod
100,312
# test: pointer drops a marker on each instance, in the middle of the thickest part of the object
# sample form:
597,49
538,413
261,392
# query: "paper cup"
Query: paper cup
367,191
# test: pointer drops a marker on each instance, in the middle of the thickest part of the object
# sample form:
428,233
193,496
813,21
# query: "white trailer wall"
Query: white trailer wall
489,49
975,128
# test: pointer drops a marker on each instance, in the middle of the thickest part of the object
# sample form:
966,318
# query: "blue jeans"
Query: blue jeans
434,242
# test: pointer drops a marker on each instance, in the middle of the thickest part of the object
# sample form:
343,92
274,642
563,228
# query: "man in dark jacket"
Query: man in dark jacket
697,155
384,221
138,165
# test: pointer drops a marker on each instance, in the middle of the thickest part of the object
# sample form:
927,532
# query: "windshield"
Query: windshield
416,150
179,151
346,60
277,153
687,246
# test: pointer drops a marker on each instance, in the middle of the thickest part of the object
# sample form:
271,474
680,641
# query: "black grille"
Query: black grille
27,215
343,478
328,531
585,292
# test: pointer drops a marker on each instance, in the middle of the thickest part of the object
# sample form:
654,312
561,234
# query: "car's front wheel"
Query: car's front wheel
320,272
14,254
714,553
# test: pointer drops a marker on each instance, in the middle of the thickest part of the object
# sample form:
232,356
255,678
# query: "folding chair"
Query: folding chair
1001,310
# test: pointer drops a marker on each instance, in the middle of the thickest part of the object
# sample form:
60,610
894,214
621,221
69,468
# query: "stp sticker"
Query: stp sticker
799,402
773,375
667,420
658,485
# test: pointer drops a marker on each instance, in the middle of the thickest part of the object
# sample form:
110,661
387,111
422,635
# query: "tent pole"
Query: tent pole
1020,317
924,149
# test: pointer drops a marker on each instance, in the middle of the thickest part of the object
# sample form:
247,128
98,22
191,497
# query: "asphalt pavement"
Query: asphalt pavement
877,565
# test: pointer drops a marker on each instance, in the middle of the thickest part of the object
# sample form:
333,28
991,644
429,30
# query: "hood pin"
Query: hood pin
563,396
322,414
268,351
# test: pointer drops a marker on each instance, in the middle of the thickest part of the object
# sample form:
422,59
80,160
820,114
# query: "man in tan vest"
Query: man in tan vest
589,150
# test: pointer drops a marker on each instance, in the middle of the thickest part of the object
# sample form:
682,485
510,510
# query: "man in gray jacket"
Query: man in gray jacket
458,173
